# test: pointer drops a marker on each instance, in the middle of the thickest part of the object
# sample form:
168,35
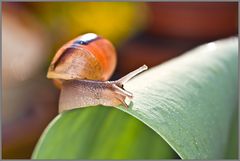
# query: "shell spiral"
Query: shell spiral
88,56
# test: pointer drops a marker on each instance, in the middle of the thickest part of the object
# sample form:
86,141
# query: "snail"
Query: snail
81,69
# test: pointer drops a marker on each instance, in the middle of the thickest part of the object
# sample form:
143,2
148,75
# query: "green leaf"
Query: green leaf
189,102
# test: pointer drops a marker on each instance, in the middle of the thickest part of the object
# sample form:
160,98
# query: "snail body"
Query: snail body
81,93
81,68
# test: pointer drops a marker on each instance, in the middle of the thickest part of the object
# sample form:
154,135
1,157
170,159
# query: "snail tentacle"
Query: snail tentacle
122,91
122,100
130,75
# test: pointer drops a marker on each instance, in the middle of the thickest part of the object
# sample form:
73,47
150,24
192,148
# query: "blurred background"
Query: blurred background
143,33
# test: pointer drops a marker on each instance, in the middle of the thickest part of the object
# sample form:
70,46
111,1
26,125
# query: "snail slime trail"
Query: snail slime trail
81,69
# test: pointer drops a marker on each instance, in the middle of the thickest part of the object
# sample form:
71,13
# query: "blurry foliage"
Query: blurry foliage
25,48
115,21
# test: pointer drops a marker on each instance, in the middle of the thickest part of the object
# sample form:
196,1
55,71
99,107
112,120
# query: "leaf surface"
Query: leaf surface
187,102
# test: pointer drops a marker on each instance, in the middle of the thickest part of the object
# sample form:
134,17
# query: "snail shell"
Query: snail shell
86,57
81,67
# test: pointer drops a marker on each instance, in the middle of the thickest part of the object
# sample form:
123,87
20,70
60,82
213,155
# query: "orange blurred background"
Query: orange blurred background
143,33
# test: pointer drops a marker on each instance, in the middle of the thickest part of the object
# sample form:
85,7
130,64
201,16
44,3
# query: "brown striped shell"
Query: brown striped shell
88,56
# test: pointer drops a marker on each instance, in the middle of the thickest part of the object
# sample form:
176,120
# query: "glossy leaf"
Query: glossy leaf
188,101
